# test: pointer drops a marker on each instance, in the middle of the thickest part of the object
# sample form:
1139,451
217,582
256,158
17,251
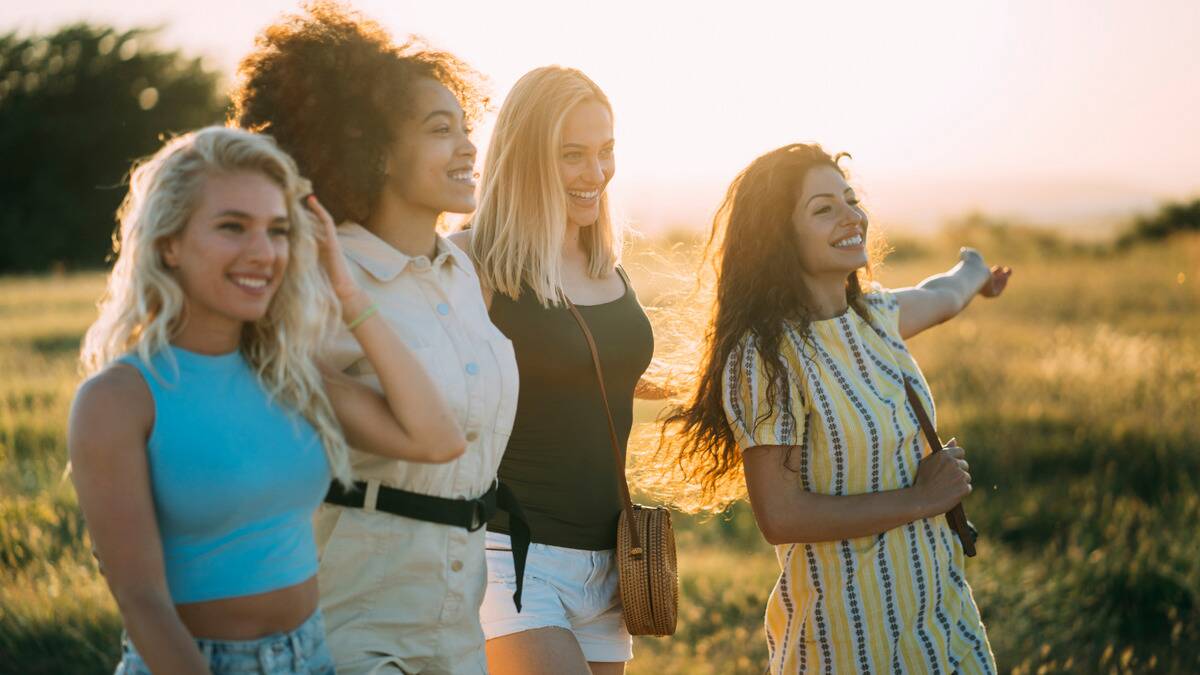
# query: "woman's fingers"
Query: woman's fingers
319,211
997,282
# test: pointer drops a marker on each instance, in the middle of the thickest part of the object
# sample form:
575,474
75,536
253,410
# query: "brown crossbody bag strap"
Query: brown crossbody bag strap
956,517
622,483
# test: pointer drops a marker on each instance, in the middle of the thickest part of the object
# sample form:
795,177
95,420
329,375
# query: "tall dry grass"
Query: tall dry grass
1077,395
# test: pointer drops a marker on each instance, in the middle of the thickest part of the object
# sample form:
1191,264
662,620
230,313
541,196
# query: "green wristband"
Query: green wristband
366,314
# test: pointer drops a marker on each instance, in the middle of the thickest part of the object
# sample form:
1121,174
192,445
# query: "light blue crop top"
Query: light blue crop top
236,479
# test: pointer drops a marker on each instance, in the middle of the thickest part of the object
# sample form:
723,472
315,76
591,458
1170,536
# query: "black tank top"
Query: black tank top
559,459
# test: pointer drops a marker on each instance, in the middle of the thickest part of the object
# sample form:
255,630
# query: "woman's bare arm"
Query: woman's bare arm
110,420
941,297
788,514
411,420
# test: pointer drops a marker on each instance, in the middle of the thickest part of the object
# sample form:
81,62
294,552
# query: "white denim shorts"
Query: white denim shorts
565,587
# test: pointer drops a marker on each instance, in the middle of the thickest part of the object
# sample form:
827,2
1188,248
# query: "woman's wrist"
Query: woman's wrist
916,507
354,305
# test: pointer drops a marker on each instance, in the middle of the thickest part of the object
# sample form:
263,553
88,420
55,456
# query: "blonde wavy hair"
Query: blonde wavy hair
521,220
143,305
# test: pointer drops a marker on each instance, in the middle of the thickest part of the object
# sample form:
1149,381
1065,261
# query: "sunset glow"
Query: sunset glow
1069,113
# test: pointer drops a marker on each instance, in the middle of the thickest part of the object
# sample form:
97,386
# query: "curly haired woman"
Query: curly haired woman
802,390
383,132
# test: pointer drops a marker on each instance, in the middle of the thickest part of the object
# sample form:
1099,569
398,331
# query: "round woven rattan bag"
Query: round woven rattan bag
649,580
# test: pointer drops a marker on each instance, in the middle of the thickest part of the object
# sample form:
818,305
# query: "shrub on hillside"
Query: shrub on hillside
1170,218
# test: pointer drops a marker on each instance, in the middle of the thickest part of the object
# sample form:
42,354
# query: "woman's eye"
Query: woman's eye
606,153
821,211
852,202
442,130
280,231
572,156
231,225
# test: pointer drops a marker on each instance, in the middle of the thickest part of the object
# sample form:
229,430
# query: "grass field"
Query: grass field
1077,395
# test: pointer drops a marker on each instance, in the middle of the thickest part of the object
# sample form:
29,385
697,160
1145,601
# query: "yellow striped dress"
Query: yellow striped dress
896,602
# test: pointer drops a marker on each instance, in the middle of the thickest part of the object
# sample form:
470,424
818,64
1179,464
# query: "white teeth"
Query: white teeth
250,282
467,177
856,240
584,195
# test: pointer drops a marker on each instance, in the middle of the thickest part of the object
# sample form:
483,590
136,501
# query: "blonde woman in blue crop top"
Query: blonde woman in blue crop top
207,433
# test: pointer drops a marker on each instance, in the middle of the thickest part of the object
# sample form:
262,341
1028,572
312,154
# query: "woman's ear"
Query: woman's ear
168,250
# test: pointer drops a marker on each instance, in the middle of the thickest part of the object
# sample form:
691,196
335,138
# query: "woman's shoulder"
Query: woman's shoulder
115,402
750,346
119,384
879,297
461,239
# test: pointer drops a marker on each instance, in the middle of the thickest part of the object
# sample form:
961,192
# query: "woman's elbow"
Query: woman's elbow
453,448
443,445
771,530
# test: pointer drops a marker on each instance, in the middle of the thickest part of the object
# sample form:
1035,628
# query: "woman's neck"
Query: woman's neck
573,252
826,295
406,227
211,336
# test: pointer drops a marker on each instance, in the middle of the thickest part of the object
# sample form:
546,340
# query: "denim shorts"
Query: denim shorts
298,652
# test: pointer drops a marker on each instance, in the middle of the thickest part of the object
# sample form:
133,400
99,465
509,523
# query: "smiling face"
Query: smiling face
830,226
431,164
585,161
231,256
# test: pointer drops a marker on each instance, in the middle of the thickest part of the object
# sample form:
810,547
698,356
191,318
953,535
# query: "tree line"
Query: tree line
79,104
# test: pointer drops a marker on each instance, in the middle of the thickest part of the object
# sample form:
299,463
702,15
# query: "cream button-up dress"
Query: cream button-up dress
398,594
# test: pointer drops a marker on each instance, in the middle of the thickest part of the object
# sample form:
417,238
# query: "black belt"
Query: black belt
471,514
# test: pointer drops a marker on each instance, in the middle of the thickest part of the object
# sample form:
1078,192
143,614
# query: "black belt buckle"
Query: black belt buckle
478,514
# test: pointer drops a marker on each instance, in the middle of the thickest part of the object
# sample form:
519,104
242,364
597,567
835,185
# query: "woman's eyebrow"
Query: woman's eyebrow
435,113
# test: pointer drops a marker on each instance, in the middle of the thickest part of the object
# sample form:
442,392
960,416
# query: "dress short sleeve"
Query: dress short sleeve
758,414
884,308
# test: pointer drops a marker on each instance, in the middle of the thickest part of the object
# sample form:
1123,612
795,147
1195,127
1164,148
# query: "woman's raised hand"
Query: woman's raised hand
942,480
330,251
997,275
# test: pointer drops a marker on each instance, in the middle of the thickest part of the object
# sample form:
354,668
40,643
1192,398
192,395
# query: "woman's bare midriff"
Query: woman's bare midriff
250,617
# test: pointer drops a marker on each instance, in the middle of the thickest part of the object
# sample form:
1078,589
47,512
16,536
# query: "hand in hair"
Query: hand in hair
348,292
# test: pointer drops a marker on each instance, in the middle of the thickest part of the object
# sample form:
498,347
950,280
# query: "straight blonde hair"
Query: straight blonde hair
143,304
521,221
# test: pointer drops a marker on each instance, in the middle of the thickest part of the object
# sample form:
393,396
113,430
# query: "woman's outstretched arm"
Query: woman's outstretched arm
941,297
788,514
411,419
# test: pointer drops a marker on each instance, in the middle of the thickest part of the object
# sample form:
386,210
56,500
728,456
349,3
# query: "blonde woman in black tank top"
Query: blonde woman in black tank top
542,233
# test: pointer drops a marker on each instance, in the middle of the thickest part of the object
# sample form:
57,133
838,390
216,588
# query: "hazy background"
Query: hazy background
1071,113
1060,138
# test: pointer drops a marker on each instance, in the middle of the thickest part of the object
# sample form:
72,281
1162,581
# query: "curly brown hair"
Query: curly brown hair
329,85
757,296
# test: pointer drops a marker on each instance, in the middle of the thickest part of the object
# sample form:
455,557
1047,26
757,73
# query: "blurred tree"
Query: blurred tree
76,107
1171,218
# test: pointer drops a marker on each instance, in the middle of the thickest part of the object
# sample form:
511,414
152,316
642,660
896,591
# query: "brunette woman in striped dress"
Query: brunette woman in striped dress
802,389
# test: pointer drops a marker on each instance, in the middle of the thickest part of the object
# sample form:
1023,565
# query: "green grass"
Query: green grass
1077,395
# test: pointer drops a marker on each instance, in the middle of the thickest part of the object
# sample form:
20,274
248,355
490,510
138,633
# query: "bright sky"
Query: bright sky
1071,111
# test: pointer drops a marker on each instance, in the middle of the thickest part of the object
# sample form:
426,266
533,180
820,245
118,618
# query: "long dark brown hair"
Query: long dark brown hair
754,250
